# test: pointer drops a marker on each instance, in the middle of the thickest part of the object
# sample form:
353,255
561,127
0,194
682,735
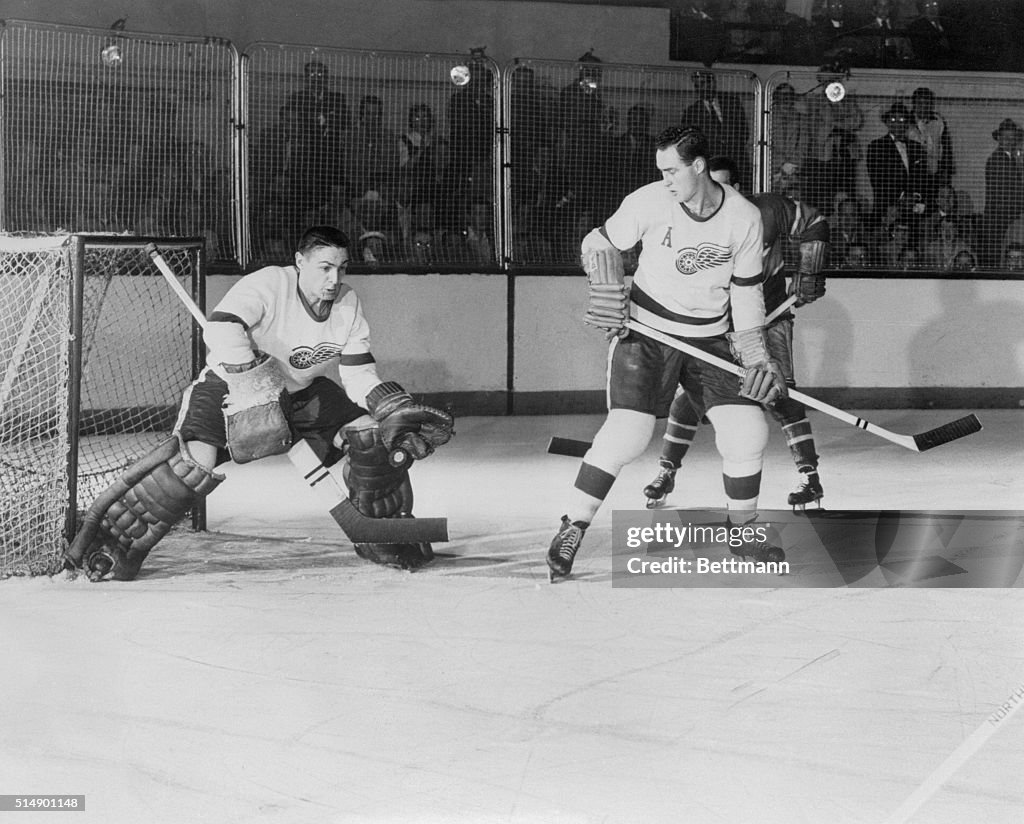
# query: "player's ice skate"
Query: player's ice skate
563,549
658,489
809,492
763,550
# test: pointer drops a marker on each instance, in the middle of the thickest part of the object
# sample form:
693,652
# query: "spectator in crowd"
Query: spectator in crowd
891,47
696,32
942,251
856,256
833,34
825,116
945,205
891,249
635,149
586,177
743,41
837,173
1004,188
930,129
473,243
789,136
376,248
421,158
371,150
846,225
1013,257
319,117
929,37
471,133
531,138
965,261
723,120
322,114
421,247
896,167
784,34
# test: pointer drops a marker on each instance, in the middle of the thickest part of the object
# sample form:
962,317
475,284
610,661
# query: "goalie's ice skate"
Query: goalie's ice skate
563,549
658,489
809,492
766,550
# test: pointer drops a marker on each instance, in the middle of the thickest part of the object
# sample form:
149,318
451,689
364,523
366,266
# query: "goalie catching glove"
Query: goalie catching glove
608,300
254,420
404,424
763,380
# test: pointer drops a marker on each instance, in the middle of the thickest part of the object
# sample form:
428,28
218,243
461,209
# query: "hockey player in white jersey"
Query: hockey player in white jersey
699,266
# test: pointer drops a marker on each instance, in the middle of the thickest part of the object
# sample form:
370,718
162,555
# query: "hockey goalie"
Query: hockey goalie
288,362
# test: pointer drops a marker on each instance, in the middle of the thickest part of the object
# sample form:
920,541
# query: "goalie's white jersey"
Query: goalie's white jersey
280,324
691,270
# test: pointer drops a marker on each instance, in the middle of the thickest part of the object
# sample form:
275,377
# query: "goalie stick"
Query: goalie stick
960,428
358,528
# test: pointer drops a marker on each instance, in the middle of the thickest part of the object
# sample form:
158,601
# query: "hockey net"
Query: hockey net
73,418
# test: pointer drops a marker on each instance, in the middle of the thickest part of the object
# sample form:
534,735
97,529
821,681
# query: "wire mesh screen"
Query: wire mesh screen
137,357
913,173
581,136
398,150
35,284
108,131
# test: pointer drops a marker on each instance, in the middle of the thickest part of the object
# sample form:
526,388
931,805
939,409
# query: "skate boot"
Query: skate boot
766,551
564,547
659,489
810,492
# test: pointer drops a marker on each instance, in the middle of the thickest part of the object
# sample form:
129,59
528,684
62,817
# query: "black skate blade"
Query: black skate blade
952,431
361,529
569,447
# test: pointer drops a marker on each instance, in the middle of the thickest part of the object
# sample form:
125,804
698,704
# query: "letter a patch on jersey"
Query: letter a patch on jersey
667,240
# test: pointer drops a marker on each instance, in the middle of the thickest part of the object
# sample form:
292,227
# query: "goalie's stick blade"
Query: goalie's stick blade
960,428
568,447
362,529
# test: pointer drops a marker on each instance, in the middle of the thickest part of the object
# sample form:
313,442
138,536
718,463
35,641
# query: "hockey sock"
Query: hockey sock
741,435
801,445
622,439
679,431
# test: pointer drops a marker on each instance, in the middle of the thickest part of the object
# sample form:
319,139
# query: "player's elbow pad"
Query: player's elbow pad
228,342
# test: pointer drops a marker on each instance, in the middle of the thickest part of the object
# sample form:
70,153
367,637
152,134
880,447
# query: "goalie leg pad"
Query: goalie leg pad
136,512
379,490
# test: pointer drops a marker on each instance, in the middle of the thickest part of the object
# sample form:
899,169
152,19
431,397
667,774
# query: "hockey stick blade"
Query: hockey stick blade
361,529
569,447
960,428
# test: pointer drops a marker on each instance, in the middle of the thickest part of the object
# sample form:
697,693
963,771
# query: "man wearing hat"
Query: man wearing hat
897,167
1004,188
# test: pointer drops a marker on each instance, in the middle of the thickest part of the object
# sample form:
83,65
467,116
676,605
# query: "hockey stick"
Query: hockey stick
357,527
960,428
782,307
572,448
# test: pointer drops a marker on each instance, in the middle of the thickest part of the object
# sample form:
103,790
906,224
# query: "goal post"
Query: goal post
95,351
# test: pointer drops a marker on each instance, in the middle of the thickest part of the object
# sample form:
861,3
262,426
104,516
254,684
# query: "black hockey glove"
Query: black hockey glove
407,425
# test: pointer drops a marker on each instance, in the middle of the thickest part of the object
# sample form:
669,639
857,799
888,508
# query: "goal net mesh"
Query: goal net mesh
136,358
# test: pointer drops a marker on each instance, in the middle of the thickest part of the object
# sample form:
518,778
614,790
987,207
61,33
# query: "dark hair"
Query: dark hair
689,142
317,236
724,162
